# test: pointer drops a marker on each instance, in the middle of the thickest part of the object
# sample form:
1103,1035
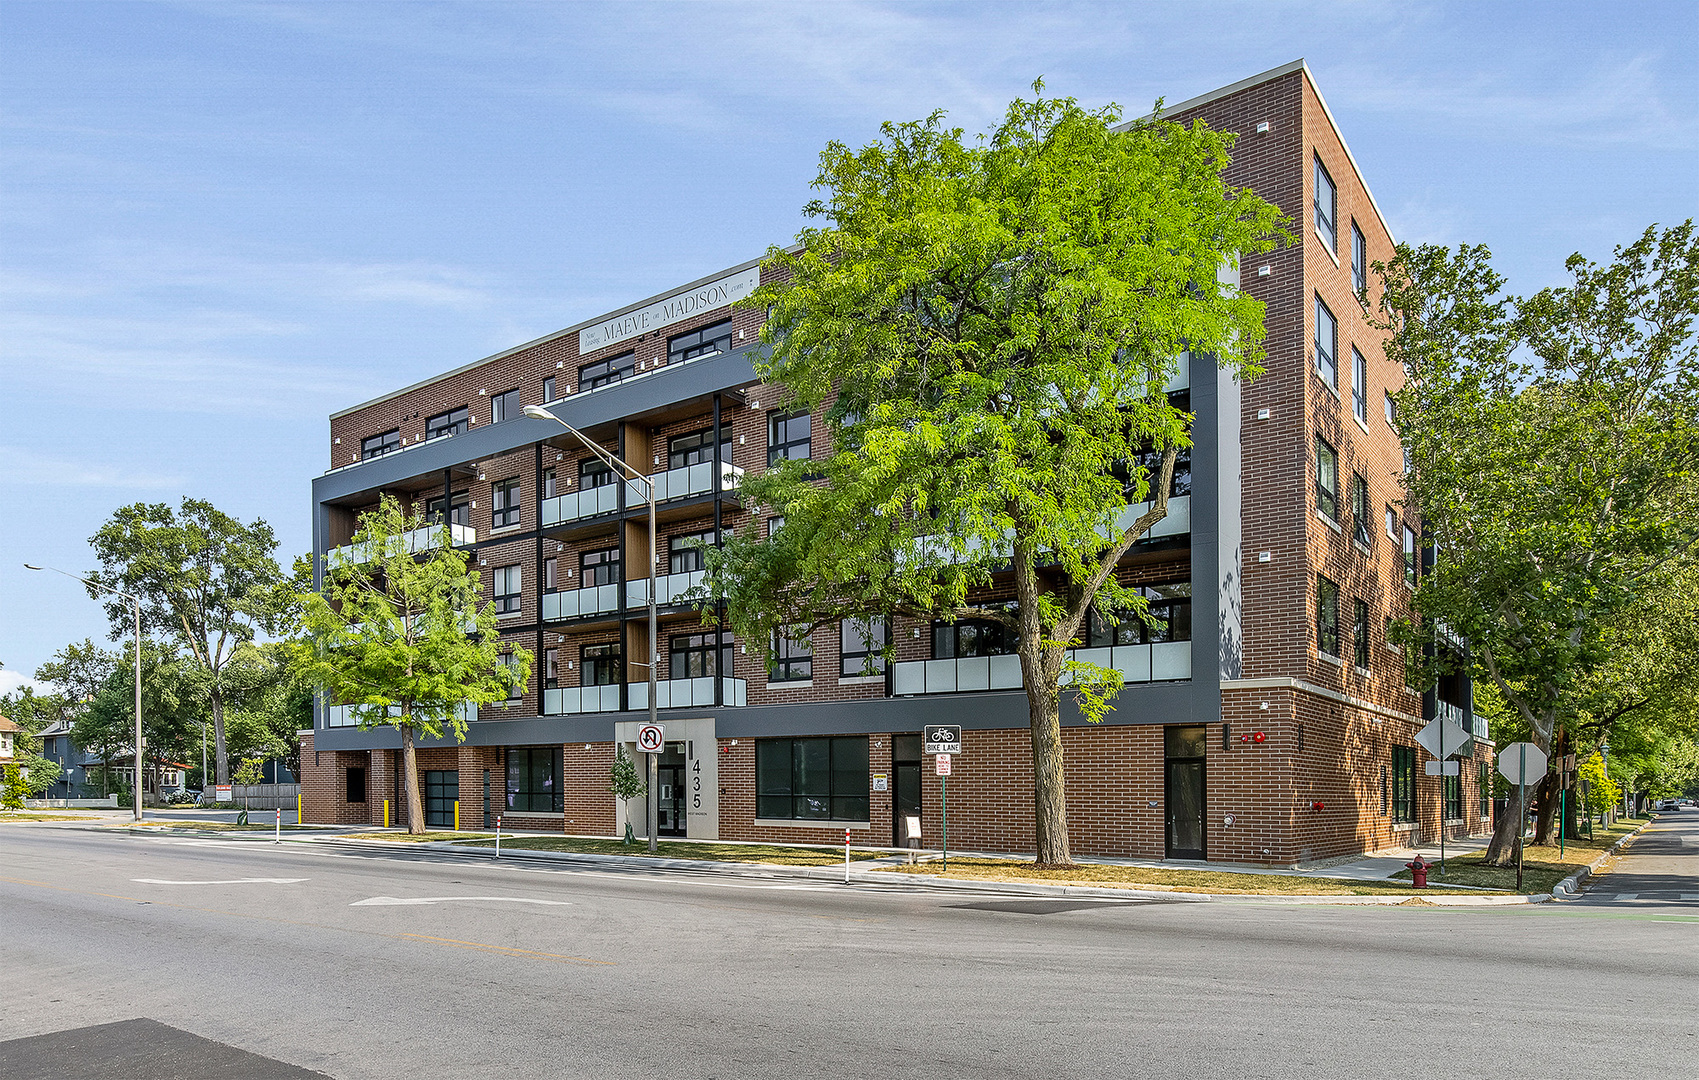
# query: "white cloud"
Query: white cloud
13,681
26,467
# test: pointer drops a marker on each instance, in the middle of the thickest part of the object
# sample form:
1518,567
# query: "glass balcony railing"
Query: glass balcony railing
576,505
672,484
343,716
1162,662
575,603
669,694
570,700
668,588
416,540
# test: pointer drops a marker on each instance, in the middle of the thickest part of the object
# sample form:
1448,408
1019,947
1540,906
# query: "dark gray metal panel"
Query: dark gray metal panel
628,398
1204,699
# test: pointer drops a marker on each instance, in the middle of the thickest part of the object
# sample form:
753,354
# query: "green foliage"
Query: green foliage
250,772
991,325
14,789
1602,792
626,783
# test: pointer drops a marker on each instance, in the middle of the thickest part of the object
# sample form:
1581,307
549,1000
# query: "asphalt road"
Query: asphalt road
244,958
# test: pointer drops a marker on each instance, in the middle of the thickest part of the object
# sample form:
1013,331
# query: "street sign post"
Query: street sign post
651,740
1518,763
941,762
941,739
1443,738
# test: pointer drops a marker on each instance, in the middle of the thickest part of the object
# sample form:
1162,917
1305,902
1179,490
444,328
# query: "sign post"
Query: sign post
942,762
651,740
942,740
1442,738
1517,762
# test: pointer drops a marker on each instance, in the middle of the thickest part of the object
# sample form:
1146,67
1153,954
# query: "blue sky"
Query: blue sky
221,222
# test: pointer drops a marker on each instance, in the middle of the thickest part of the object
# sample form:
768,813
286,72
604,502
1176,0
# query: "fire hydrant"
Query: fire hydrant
1418,873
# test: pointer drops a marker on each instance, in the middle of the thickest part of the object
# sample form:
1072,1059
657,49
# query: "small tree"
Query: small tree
627,784
398,631
15,788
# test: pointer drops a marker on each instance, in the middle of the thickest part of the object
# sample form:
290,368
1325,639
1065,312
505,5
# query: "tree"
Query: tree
173,703
1552,440
625,783
399,632
203,577
31,713
991,326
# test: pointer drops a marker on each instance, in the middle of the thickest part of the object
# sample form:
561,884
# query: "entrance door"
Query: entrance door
442,788
905,796
1184,798
669,792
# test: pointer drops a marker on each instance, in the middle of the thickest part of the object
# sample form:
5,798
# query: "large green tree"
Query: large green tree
205,579
1552,440
992,324
398,631
173,706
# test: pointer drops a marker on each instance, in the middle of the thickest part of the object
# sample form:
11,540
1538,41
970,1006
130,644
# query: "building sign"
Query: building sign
671,310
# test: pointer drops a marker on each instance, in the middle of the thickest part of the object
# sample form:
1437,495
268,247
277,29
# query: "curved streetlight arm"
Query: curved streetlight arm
537,412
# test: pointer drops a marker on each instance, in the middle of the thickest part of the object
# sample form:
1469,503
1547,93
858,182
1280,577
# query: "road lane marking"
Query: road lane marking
397,901
508,950
225,881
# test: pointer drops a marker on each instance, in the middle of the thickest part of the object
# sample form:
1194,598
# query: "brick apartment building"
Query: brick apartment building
1267,721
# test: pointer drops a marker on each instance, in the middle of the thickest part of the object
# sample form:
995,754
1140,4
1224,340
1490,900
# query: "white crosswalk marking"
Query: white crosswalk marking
1690,896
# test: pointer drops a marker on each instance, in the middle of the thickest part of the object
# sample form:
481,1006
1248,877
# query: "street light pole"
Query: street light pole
136,604
537,412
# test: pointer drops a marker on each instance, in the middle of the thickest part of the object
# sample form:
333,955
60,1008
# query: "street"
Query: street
357,963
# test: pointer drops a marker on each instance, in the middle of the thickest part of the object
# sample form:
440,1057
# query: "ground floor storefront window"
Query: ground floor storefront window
533,779
812,779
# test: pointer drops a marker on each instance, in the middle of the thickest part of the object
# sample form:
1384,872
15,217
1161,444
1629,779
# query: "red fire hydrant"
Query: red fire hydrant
1418,873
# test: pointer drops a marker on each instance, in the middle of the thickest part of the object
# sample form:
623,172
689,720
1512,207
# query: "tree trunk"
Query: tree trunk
410,776
1049,790
221,754
1502,850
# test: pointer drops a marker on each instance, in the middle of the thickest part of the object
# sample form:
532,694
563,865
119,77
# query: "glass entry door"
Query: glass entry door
442,788
669,792
906,761
1184,798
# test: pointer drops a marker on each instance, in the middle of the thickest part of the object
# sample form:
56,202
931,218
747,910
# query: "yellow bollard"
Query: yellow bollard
386,813
457,815
297,808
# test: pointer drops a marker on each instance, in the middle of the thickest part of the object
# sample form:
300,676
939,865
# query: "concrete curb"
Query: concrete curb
1570,887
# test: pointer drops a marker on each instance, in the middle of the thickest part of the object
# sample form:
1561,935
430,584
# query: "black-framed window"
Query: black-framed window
506,406
551,668
971,637
1360,509
607,371
1359,260
697,447
860,647
548,388
378,446
504,503
1391,407
551,483
1403,783
460,512
1451,794
1391,523
1360,633
1327,478
793,655
1327,206
515,685
356,783
1359,385
788,435
683,556
551,573
594,473
1327,344
821,779
1385,792
453,422
700,656
1170,610
1409,555
599,567
534,779
1327,616
704,342
508,586
600,663
1484,787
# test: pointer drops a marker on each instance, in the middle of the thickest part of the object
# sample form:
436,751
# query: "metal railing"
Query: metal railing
416,540
669,694
1165,661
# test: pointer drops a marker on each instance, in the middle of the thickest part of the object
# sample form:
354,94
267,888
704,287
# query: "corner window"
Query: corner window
1403,783
601,665
606,372
448,424
1360,633
1327,616
507,589
1359,385
505,406
700,656
812,779
504,503
379,445
787,437
1327,207
599,567
697,447
1359,261
460,508
1327,344
534,779
1327,479
708,341
861,642
793,655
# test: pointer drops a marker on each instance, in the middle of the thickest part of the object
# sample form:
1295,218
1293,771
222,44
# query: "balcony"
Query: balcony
669,694
672,484
589,503
668,588
1163,662
571,700
576,603
342,716
1177,523
417,540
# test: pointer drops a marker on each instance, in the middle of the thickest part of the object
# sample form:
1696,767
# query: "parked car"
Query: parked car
1669,804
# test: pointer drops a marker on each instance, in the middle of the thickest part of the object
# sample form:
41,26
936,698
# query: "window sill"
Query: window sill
860,680
1332,524
1328,658
508,615
1330,252
1362,547
1362,672
550,815
791,684
507,529
1364,424
1404,826
1329,387
812,823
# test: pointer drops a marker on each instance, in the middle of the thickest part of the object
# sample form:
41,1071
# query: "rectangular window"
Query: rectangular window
601,664
551,574
700,656
1391,408
683,557
1391,523
1384,793
506,406
812,779
1327,616
1409,555
460,514
1403,783
1327,207
598,567
1327,344
504,503
1484,787
551,483
515,685
356,783
1359,260
534,779
1327,478
1359,385
1360,509
793,655
1451,789
860,642
707,341
697,447
594,473
445,425
551,669
971,637
1170,611
1360,633
507,589
787,437
606,372
379,445
774,524
548,389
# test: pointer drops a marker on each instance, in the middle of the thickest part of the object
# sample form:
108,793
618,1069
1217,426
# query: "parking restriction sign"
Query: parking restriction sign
942,763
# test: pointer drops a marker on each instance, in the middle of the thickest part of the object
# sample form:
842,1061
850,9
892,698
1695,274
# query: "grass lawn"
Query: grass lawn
666,849
218,826
40,815
1542,866
1145,877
